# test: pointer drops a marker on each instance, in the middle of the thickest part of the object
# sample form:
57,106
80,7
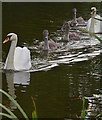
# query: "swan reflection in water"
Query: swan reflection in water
16,79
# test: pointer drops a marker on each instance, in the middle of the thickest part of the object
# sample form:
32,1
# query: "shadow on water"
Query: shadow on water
58,79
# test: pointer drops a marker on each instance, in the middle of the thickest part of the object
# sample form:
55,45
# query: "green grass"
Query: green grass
15,102
11,114
99,115
83,110
97,19
34,113
91,34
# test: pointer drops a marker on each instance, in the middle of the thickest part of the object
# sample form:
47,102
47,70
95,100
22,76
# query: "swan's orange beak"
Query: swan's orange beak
6,40
92,12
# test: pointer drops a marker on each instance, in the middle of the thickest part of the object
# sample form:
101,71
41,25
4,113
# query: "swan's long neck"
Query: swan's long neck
46,45
74,17
91,29
9,64
74,21
67,34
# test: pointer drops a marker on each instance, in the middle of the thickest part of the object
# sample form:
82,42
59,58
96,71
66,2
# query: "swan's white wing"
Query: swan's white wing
22,59
98,25
88,24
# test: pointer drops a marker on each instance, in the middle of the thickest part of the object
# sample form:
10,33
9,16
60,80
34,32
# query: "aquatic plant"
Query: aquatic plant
97,19
99,116
91,34
34,113
83,109
11,114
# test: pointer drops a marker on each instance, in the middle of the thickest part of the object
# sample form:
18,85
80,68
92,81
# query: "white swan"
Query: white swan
47,44
18,58
93,25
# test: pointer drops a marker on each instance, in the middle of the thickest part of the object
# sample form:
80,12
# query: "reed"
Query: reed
83,110
6,115
99,115
91,34
12,116
34,113
97,19
6,109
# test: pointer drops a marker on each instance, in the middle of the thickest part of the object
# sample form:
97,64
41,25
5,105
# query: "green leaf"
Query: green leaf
83,109
11,113
99,115
14,101
33,102
34,115
91,34
97,19
6,115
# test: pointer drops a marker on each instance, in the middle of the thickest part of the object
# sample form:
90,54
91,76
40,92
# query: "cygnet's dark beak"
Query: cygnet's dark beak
45,36
62,28
45,33
74,11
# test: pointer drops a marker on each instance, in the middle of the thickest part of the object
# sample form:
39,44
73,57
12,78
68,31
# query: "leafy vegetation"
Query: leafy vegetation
83,109
97,19
91,34
99,115
11,114
34,113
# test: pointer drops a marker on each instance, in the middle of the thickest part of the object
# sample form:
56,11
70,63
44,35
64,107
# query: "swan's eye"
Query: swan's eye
9,36
92,10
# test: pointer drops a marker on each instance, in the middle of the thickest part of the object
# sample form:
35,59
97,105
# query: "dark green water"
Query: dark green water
57,91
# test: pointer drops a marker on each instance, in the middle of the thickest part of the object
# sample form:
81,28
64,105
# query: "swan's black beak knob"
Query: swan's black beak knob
6,40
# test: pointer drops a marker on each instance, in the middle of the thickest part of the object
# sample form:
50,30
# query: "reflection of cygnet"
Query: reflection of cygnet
22,78
69,35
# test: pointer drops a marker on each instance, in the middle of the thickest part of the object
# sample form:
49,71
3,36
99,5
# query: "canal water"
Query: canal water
59,79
